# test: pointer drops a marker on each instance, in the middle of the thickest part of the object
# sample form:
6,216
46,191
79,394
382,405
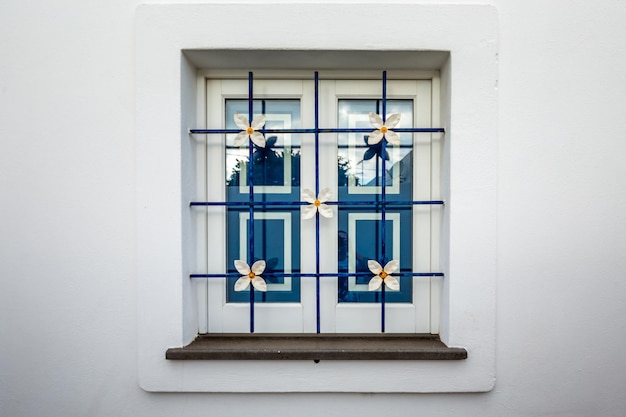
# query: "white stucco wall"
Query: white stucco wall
68,304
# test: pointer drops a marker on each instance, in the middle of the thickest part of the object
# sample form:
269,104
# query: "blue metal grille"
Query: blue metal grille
381,204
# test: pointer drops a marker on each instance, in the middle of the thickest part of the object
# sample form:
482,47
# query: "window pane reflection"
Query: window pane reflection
363,170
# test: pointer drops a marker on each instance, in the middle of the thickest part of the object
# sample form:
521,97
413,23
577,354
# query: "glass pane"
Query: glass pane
277,165
276,178
363,169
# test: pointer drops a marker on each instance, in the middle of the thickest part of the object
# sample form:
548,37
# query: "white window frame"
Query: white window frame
174,41
216,315
422,315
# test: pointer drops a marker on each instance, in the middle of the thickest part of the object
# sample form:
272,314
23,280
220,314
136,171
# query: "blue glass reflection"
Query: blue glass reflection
361,177
276,178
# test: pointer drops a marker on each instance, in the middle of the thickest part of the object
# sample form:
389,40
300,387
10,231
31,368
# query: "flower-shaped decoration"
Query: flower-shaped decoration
316,204
383,275
383,129
250,275
249,130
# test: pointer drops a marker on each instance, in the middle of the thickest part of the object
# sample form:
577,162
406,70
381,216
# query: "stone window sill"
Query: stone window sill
316,347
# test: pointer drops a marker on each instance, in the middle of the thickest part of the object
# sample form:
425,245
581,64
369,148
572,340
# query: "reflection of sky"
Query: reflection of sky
354,113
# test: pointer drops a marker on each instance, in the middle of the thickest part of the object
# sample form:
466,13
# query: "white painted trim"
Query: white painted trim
166,109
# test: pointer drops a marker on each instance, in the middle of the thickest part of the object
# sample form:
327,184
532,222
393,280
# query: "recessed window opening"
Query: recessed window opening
295,167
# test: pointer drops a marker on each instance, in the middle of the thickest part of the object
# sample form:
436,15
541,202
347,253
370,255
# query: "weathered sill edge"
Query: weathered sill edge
316,347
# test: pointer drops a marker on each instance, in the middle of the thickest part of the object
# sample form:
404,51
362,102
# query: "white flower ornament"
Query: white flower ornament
249,130
383,275
250,275
383,129
316,204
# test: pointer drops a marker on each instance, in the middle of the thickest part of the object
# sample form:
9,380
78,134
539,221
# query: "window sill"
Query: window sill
316,347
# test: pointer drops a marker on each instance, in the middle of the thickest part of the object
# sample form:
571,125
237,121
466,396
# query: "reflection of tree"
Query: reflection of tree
269,166
343,176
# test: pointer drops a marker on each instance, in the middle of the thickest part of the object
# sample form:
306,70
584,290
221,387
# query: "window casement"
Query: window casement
336,222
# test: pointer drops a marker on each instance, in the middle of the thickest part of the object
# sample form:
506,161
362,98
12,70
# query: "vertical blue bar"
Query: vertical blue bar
251,200
317,135
384,207
382,310
384,112
317,214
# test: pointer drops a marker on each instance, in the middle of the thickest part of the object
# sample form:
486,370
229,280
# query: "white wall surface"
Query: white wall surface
68,336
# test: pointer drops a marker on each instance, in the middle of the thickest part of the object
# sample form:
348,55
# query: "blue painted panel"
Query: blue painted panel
368,245
269,245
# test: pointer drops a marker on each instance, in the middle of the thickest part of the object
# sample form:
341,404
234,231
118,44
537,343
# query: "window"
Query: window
314,138
459,41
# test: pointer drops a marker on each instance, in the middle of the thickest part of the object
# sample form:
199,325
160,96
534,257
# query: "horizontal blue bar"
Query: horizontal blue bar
321,275
322,130
364,146
248,203
302,203
384,203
